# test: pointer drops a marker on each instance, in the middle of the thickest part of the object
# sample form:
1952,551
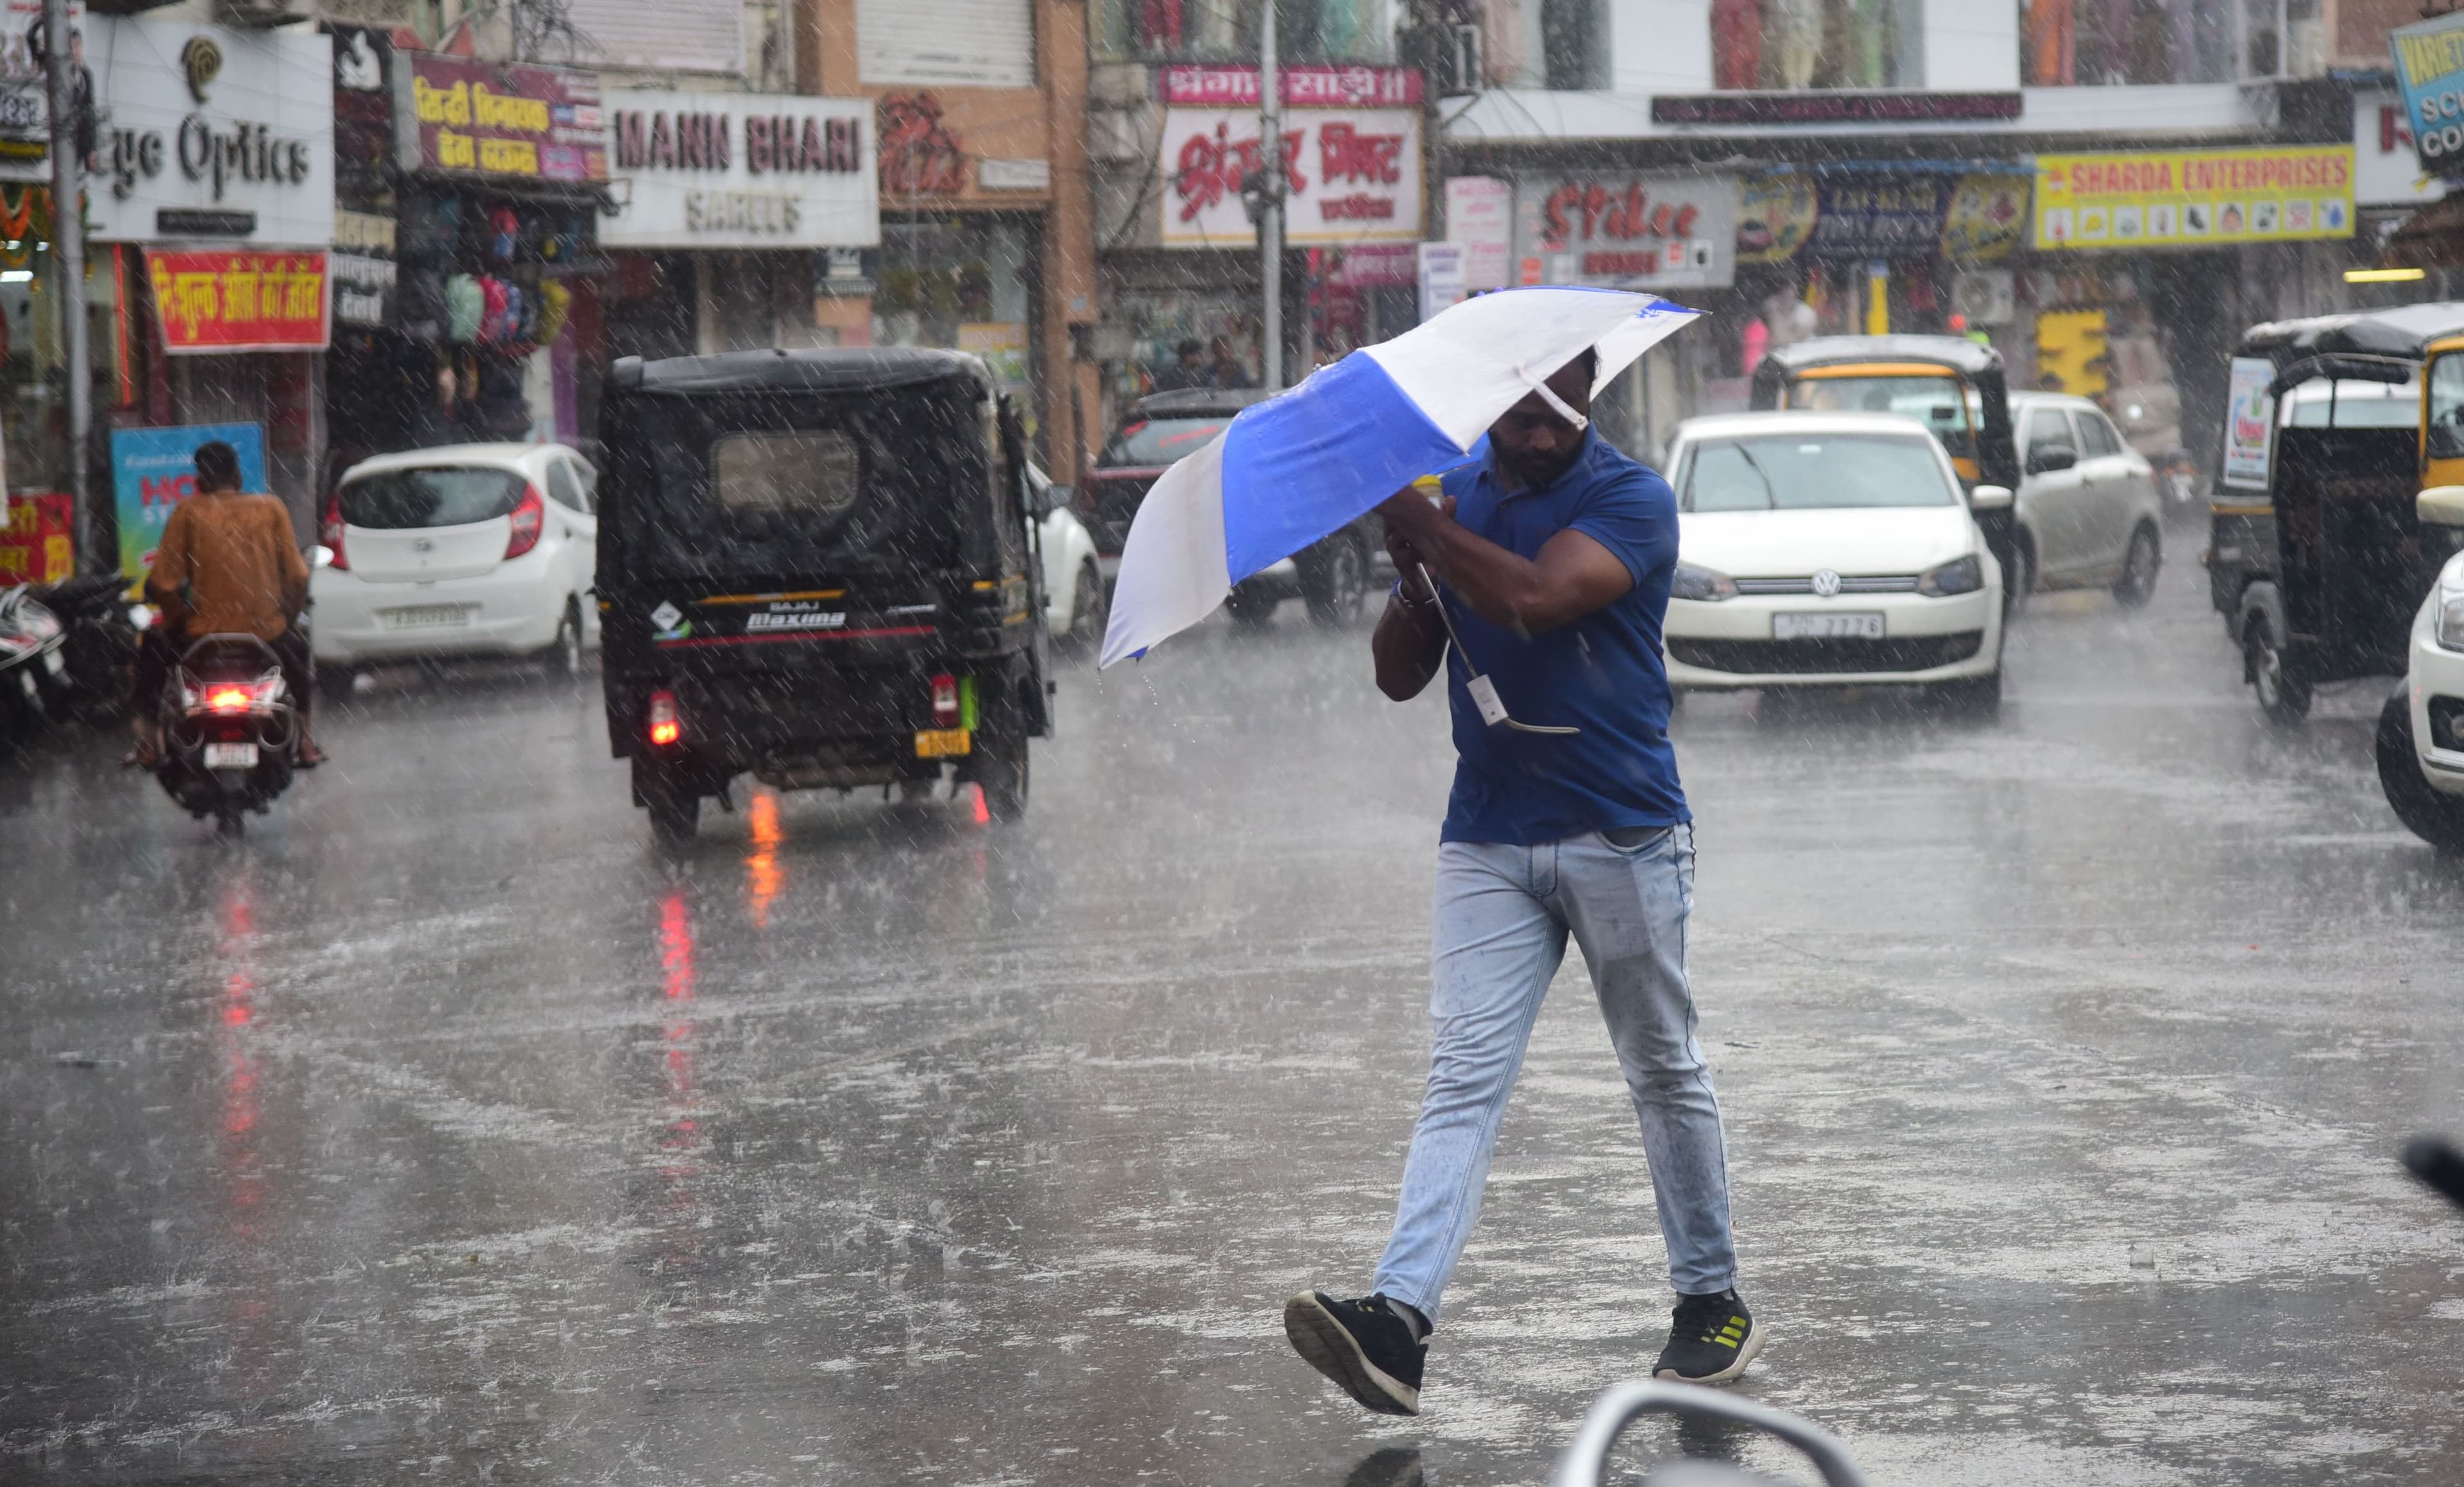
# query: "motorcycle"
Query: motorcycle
99,646
228,730
34,684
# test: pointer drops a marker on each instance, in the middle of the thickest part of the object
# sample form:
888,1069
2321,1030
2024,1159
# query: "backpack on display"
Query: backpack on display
465,307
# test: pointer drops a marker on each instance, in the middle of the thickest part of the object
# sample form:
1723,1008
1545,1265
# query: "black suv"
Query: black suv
1333,574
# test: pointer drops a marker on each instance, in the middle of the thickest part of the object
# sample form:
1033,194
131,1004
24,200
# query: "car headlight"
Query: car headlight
1959,575
1701,585
2450,618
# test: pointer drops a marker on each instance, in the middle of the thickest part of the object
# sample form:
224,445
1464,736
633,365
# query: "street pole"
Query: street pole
1270,218
68,268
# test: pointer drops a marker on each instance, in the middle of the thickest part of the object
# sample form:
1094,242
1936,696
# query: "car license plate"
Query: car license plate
426,617
230,755
1851,626
941,743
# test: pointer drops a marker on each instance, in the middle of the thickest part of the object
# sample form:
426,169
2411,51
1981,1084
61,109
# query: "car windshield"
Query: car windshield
440,497
1813,471
1160,441
1951,410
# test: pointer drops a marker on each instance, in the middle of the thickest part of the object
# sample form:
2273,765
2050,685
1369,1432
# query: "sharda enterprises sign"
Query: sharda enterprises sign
741,171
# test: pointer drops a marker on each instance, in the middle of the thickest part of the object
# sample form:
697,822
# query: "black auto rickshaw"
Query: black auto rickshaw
1952,385
817,567
2316,558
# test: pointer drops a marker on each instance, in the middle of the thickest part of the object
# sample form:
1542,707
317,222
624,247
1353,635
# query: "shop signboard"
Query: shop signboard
1629,231
238,299
1775,215
741,170
1350,176
452,117
1896,213
1302,86
154,470
364,268
25,99
2194,198
2386,172
1441,277
2429,69
211,133
1480,215
2249,412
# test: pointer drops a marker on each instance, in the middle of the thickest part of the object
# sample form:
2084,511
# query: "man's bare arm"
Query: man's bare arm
1409,646
1573,576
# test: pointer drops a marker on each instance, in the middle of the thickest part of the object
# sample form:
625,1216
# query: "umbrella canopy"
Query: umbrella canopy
1299,465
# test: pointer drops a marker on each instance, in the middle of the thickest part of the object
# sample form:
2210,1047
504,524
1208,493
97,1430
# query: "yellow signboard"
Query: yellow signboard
2194,198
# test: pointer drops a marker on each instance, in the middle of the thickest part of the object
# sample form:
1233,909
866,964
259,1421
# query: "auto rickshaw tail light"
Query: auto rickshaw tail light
330,533
530,517
945,701
666,727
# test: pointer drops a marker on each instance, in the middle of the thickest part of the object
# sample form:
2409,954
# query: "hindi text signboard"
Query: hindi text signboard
1350,176
238,299
460,117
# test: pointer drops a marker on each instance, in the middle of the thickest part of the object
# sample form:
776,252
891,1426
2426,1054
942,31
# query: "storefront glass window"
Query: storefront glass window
33,421
962,282
1800,44
2146,42
1210,31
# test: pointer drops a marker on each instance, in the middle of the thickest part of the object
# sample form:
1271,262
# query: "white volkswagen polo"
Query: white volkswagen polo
465,550
1830,550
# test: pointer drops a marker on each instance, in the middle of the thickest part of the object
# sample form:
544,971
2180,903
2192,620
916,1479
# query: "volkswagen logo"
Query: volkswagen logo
1826,584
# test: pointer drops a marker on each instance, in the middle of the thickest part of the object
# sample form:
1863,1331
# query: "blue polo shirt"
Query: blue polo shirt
1602,673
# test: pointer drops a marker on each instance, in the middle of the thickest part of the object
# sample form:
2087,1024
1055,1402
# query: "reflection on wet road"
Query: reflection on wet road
441,1130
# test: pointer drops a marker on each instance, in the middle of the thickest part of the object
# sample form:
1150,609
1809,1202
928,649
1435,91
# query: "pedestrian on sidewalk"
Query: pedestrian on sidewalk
1553,560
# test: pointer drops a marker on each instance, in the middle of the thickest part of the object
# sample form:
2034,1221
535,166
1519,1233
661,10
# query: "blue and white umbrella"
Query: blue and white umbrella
1310,461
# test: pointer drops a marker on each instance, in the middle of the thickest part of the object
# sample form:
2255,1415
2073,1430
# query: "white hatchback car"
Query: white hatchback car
464,550
1073,579
1825,549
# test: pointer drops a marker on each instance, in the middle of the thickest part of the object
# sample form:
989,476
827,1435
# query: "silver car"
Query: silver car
2090,514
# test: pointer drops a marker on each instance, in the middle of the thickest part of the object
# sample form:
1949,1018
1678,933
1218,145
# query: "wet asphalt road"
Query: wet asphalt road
440,1130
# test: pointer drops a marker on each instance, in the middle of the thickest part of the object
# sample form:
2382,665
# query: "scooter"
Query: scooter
99,646
228,730
33,686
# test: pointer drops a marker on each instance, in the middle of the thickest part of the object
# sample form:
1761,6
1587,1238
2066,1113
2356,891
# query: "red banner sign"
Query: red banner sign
239,301
1301,87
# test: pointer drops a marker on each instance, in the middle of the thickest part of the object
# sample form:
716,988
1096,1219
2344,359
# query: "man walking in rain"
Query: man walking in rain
1555,559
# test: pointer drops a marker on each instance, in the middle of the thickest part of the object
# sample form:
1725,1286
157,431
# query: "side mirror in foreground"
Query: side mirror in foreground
1989,498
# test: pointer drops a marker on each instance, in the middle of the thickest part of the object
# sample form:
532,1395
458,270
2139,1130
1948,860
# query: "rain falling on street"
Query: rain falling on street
443,1126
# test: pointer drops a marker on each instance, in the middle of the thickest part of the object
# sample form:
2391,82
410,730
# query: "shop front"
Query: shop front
1353,210
728,211
467,303
211,213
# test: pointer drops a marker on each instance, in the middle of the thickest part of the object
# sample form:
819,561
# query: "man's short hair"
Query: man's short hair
217,467
1189,348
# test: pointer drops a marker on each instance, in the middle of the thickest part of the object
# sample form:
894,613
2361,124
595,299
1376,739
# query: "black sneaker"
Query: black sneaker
1363,1345
1712,1341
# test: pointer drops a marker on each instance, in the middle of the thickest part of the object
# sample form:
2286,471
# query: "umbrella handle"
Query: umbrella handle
1484,692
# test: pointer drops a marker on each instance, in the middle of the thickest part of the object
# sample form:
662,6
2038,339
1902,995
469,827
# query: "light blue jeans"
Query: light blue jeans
1502,916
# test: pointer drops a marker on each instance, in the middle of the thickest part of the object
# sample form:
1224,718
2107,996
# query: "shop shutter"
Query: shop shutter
681,35
978,43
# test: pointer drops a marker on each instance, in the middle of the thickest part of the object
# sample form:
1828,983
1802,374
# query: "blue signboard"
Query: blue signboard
154,470
2429,69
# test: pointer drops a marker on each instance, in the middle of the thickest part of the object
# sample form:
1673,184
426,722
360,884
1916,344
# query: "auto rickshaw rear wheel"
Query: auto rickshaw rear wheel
2432,814
674,807
2282,695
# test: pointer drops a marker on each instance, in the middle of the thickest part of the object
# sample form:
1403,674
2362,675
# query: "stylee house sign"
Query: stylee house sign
210,134
741,171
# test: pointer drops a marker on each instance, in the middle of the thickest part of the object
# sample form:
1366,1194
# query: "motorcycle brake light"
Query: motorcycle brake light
666,727
229,698
530,517
330,533
945,701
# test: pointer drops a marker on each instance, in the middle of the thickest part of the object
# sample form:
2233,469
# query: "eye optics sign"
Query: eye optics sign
741,170
212,133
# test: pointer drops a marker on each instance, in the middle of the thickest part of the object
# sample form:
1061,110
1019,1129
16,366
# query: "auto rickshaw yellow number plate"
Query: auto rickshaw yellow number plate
942,743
